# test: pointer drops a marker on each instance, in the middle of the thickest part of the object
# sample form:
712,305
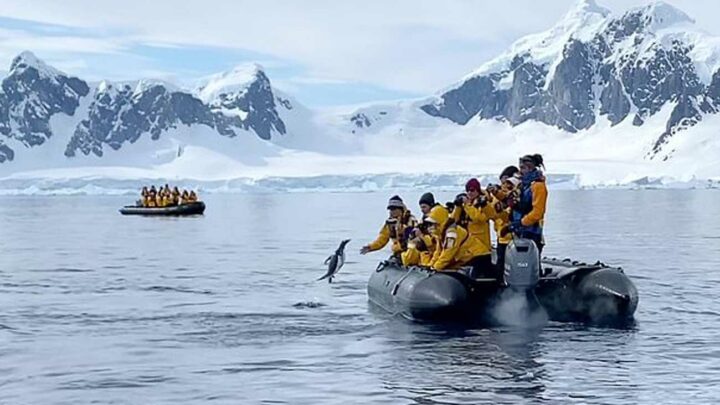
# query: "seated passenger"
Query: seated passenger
455,247
192,197
159,201
176,196
394,229
420,247
167,200
184,197
150,200
428,205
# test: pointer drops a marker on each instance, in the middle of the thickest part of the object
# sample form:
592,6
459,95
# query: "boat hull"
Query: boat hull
570,291
195,208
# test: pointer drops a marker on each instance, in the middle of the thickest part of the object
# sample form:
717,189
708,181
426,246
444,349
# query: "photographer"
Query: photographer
420,247
504,197
473,212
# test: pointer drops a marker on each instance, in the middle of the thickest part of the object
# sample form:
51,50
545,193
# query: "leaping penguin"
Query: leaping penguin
335,261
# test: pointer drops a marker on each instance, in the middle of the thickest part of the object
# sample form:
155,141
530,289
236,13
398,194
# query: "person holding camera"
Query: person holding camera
473,212
504,197
420,246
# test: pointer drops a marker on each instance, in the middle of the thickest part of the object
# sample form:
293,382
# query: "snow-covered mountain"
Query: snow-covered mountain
607,99
591,66
38,102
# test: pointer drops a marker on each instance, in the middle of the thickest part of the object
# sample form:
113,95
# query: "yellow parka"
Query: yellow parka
476,221
393,230
502,220
457,249
419,252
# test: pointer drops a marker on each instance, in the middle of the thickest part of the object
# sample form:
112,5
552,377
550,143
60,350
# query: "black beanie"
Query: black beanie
427,198
509,171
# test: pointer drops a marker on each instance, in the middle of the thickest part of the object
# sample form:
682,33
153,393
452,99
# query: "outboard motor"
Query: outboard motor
522,265
518,304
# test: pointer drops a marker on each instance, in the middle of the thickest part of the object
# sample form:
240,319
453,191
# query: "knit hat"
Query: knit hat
509,171
472,184
428,199
395,202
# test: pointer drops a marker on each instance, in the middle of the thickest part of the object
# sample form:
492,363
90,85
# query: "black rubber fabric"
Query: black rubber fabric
500,263
482,267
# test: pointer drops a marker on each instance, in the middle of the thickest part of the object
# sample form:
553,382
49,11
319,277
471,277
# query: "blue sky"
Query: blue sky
323,52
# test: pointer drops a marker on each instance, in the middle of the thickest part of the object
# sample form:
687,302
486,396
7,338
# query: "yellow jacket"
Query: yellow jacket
500,222
539,202
457,249
393,230
417,255
477,222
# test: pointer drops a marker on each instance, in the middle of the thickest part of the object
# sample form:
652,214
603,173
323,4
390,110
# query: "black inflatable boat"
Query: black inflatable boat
568,291
194,208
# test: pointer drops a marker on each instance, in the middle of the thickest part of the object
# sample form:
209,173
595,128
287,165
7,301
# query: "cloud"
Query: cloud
410,46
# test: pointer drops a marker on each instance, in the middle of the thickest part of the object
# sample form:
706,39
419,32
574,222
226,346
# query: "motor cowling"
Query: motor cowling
522,265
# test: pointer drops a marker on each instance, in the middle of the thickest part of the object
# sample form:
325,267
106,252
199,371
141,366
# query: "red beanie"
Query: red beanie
472,184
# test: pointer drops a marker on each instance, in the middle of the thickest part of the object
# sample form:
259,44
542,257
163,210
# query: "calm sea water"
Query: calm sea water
224,308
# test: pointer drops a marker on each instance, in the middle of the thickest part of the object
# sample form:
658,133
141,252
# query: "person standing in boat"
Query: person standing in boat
473,212
528,215
503,198
395,229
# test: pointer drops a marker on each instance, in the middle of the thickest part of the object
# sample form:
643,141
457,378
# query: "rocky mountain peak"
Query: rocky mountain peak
592,65
659,15
27,60
232,82
117,113
585,8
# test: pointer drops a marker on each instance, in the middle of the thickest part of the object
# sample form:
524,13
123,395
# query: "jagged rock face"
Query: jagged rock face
123,113
31,94
120,115
606,75
257,104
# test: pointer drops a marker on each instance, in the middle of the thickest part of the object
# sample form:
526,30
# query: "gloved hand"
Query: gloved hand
514,226
481,202
364,250
459,201
492,188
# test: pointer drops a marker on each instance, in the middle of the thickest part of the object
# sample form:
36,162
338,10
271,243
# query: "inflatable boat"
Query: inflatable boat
194,208
566,291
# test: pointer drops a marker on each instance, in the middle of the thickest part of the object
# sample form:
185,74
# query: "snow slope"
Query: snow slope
398,144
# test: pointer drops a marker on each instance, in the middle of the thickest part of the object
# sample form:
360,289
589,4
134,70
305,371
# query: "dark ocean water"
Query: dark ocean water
224,308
